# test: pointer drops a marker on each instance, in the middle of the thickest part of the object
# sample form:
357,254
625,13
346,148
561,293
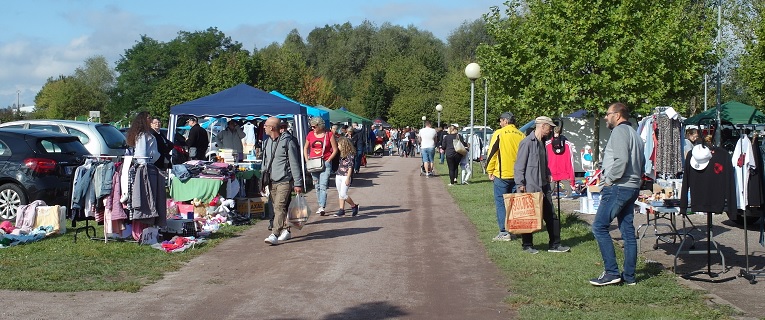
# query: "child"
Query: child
389,144
343,176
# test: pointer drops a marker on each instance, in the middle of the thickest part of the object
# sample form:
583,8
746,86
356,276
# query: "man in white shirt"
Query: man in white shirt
428,147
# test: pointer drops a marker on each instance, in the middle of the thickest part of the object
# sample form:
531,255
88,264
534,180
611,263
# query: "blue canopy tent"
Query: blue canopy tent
312,111
244,101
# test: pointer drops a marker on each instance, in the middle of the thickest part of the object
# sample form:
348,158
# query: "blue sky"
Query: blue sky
46,38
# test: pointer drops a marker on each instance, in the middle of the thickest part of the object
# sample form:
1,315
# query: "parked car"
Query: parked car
36,165
98,138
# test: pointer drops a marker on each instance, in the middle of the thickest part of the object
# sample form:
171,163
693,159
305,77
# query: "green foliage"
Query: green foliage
67,97
751,28
557,56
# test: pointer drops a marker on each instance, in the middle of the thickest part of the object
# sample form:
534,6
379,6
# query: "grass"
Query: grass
555,286
59,264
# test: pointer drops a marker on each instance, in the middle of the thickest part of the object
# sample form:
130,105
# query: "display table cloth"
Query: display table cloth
200,188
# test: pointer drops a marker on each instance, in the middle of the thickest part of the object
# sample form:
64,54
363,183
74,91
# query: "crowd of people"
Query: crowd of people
515,162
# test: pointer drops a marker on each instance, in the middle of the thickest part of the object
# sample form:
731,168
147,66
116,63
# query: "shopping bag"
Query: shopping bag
298,212
523,212
315,165
459,147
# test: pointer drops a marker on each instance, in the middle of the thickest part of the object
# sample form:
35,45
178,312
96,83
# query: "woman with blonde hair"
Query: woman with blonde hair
343,176
320,143
453,158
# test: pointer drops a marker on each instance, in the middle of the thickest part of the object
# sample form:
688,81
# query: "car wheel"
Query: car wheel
11,197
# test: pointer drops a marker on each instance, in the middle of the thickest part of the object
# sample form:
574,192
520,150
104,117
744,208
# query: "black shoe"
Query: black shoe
355,210
339,213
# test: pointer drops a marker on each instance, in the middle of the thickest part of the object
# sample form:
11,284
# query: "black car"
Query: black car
36,165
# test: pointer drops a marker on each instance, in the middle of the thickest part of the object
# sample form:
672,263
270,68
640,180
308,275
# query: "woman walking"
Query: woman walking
320,143
453,158
343,176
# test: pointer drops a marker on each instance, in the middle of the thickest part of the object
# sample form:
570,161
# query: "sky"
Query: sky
41,39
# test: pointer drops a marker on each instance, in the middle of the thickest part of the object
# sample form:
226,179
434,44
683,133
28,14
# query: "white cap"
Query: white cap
700,157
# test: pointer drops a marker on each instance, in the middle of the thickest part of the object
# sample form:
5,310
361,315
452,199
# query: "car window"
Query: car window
14,126
80,135
5,151
113,137
58,145
46,127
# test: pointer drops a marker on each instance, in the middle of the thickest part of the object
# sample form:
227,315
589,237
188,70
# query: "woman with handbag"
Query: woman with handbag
320,149
453,155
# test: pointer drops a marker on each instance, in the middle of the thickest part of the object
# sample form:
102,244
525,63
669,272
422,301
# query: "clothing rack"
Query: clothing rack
89,228
747,273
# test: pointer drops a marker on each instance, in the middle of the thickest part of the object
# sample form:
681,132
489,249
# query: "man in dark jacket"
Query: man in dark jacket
197,141
357,139
532,174
439,141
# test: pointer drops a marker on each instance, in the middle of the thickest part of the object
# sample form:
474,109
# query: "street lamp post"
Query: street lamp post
485,106
439,108
18,106
473,72
423,121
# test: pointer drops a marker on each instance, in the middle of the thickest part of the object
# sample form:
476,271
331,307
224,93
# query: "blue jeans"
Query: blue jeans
442,156
320,182
617,202
357,159
502,186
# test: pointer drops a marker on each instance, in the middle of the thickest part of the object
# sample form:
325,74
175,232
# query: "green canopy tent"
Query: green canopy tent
731,112
336,116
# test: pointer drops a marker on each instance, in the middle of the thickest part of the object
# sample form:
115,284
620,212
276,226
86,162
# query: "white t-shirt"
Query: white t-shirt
427,138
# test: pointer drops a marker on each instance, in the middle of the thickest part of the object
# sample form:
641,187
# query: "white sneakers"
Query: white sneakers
272,239
284,236
320,211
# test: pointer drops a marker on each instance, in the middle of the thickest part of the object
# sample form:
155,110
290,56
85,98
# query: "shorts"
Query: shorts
428,154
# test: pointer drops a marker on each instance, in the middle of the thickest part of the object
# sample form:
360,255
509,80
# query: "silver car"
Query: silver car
98,138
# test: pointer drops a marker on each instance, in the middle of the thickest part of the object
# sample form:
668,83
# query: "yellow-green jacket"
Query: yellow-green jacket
503,150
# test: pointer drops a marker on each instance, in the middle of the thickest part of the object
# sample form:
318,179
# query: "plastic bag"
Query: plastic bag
298,212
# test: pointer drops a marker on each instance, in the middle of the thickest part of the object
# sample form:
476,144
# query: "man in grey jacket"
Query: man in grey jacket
286,175
532,174
623,163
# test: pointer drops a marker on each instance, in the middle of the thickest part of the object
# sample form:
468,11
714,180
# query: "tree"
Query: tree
556,56
750,27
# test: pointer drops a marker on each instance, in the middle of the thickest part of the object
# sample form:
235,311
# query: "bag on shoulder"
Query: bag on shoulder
459,147
315,164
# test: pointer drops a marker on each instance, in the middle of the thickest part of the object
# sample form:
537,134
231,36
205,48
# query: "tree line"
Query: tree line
538,57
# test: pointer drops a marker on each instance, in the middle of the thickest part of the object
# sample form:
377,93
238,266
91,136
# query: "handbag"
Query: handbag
317,164
459,147
523,212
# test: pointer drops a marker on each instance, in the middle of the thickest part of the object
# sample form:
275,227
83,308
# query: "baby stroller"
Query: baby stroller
432,170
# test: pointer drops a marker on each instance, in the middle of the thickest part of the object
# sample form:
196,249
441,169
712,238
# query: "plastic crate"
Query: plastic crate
180,227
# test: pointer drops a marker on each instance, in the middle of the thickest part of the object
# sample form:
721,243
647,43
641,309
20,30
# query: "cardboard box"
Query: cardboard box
250,205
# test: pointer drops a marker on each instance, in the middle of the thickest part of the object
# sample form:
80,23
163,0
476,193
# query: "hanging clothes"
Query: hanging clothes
669,146
742,161
249,134
560,159
711,188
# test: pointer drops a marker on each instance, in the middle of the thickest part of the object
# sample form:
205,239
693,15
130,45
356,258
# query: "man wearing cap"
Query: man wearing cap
532,174
622,166
500,162
197,140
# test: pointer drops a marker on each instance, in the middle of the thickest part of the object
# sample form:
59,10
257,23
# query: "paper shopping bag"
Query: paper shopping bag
523,212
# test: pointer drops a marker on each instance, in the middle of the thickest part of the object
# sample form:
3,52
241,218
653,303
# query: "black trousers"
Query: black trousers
551,222
454,166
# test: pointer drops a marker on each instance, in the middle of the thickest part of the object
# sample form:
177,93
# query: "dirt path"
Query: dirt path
411,254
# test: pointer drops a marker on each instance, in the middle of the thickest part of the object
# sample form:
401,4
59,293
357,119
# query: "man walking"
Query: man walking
440,133
503,151
532,174
623,162
281,156
428,147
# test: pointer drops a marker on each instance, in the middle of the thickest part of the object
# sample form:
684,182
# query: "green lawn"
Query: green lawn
59,264
555,285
